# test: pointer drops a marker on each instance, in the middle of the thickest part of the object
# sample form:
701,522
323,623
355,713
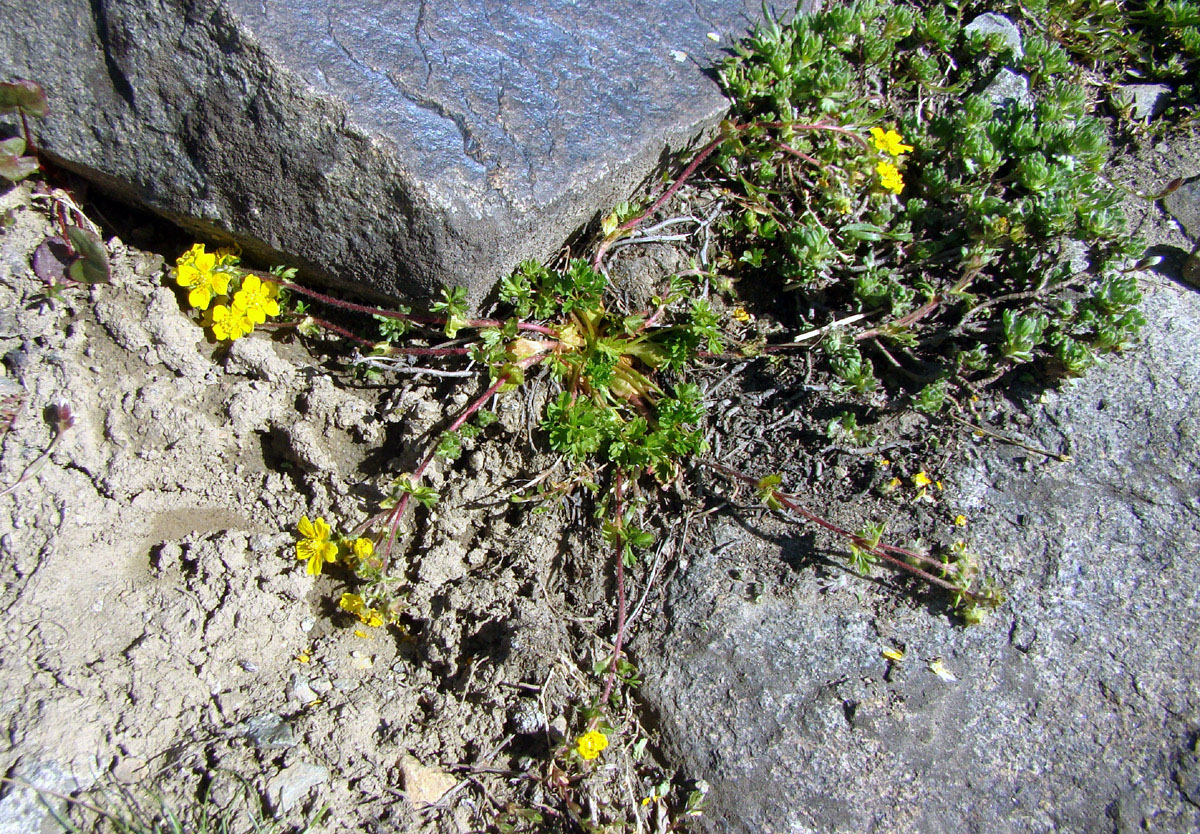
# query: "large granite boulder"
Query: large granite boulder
400,145
1075,708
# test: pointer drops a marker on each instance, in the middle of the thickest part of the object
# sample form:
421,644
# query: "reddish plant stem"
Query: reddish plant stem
341,331
618,494
633,223
797,154
888,553
396,513
913,317
394,350
392,314
30,148
705,152
845,131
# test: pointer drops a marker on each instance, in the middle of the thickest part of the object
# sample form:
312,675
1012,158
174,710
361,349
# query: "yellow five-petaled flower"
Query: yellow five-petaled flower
315,546
889,141
230,323
256,299
889,175
196,270
591,744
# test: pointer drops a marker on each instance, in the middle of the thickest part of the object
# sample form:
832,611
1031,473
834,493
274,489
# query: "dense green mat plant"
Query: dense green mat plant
992,241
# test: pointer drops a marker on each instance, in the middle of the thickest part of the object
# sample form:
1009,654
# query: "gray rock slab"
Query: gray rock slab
26,802
1075,708
1183,204
397,145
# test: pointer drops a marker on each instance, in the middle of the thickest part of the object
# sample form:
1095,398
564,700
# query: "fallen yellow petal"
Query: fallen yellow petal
893,654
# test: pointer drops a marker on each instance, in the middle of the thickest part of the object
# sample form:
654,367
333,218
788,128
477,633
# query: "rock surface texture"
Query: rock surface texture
400,145
1074,708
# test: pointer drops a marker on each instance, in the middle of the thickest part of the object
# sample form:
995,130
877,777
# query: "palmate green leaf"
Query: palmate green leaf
28,97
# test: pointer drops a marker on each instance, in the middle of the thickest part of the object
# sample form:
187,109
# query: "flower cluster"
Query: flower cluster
250,306
208,276
892,144
319,546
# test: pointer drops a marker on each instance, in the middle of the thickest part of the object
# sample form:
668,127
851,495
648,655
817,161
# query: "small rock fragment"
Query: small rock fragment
268,731
1007,87
299,689
527,719
998,24
423,785
257,358
286,789
1184,205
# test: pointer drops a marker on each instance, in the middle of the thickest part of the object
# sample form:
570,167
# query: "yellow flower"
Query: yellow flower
890,142
196,271
590,744
230,323
354,604
740,315
315,546
922,480
960,520
889,176
256,299
351,603
362,549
